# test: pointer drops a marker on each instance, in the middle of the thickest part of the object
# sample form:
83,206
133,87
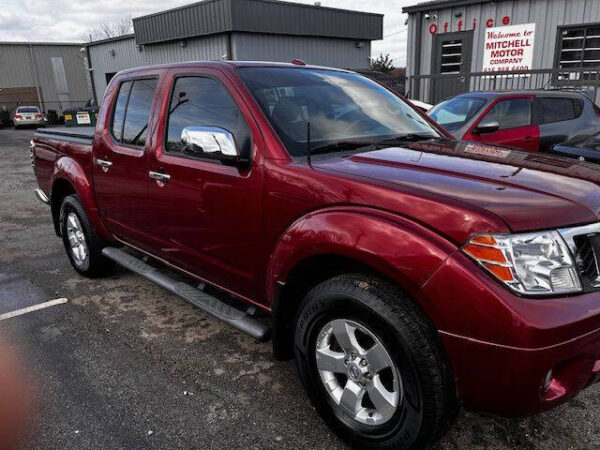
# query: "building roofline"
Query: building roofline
304,5
437,4
113,39
78,44
218,16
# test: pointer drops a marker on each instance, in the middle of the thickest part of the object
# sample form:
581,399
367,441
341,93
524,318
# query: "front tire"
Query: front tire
372,365
82,243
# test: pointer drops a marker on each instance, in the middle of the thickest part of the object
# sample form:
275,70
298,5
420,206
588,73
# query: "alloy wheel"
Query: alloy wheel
76,237
358,373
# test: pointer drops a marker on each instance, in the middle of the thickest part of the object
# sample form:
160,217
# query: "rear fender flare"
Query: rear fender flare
67,168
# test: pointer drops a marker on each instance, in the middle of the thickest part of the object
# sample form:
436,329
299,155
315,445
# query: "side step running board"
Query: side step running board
207,303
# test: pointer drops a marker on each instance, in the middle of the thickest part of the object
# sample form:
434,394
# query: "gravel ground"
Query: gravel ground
127,365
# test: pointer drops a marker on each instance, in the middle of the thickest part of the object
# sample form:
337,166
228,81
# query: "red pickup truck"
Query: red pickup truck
407,273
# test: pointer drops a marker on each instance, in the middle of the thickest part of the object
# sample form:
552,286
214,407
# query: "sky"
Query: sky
68,20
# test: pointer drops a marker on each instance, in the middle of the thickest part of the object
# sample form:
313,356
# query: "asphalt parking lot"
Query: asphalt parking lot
124,364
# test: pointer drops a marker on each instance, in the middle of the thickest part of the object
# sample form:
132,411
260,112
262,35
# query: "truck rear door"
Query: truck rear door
206,211
120,166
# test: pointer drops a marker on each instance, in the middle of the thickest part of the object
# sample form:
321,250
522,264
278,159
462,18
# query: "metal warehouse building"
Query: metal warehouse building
49,75
251,30
460,45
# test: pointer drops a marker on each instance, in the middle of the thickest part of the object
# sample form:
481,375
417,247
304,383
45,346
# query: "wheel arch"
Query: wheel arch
60,189
69,178
331,242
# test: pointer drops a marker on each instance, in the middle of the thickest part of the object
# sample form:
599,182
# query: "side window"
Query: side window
132,112
557,109
116,127
139,106
203,102
511,113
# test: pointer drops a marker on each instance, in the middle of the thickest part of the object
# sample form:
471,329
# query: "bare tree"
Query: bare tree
108,29
383,63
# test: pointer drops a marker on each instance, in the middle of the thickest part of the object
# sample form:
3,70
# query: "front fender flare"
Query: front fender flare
401,249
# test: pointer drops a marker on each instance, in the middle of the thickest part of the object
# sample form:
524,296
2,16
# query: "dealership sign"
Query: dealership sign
509,48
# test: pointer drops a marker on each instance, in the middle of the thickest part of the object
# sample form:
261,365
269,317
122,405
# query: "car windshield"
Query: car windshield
344,109
454,113
28,109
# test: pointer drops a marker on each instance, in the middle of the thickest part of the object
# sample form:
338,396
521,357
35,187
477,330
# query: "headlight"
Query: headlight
531,263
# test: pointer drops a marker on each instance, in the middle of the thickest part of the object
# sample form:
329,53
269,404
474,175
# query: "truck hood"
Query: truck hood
528,191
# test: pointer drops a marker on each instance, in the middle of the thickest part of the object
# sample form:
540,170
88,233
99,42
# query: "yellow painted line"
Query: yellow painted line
19,312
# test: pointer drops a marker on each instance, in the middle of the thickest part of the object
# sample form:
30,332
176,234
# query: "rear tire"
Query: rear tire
372,364
82,243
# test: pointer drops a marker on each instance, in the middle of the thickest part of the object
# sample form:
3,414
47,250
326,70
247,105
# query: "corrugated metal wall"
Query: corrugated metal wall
548,15
209,17
341,53
127,56
258,16
265,16
16,70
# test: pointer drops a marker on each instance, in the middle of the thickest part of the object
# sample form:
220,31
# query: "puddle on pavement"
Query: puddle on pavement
17,292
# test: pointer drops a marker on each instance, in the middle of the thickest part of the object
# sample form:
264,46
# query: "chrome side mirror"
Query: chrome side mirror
209,141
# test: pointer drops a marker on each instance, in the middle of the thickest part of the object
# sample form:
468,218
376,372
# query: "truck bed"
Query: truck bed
84,135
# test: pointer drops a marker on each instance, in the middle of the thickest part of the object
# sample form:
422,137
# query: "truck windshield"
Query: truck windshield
341,107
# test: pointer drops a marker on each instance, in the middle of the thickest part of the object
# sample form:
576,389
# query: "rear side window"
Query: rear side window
119,111
511,113
560,109
205,102
132,112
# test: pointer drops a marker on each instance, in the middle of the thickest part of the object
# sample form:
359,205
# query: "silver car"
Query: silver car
28,116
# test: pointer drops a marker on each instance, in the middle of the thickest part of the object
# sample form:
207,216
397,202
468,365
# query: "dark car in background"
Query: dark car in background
528,120
584,148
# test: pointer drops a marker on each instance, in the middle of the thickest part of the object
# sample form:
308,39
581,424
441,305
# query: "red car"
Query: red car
407,273
529,120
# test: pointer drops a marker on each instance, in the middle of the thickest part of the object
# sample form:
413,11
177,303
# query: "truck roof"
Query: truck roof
227,65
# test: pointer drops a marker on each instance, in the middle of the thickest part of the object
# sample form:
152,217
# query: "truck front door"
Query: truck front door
206,212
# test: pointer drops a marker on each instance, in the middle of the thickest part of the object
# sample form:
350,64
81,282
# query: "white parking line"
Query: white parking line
18,312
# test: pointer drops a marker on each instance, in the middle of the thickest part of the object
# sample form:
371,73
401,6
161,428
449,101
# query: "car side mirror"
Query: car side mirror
211,142
488,126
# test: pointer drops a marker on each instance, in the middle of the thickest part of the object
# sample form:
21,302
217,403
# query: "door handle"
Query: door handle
159,176
104,164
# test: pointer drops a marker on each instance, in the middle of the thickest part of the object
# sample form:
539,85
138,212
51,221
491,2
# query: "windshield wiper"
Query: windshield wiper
339,147
411,137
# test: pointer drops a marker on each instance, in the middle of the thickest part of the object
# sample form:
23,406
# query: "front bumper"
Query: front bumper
517,382
502,347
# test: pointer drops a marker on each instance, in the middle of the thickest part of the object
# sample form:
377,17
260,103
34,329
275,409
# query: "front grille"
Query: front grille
588,257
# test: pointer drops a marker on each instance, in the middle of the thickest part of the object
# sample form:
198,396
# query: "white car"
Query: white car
421,105
28,116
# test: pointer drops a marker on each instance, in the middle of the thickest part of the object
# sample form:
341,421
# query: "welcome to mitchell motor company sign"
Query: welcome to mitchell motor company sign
509,48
